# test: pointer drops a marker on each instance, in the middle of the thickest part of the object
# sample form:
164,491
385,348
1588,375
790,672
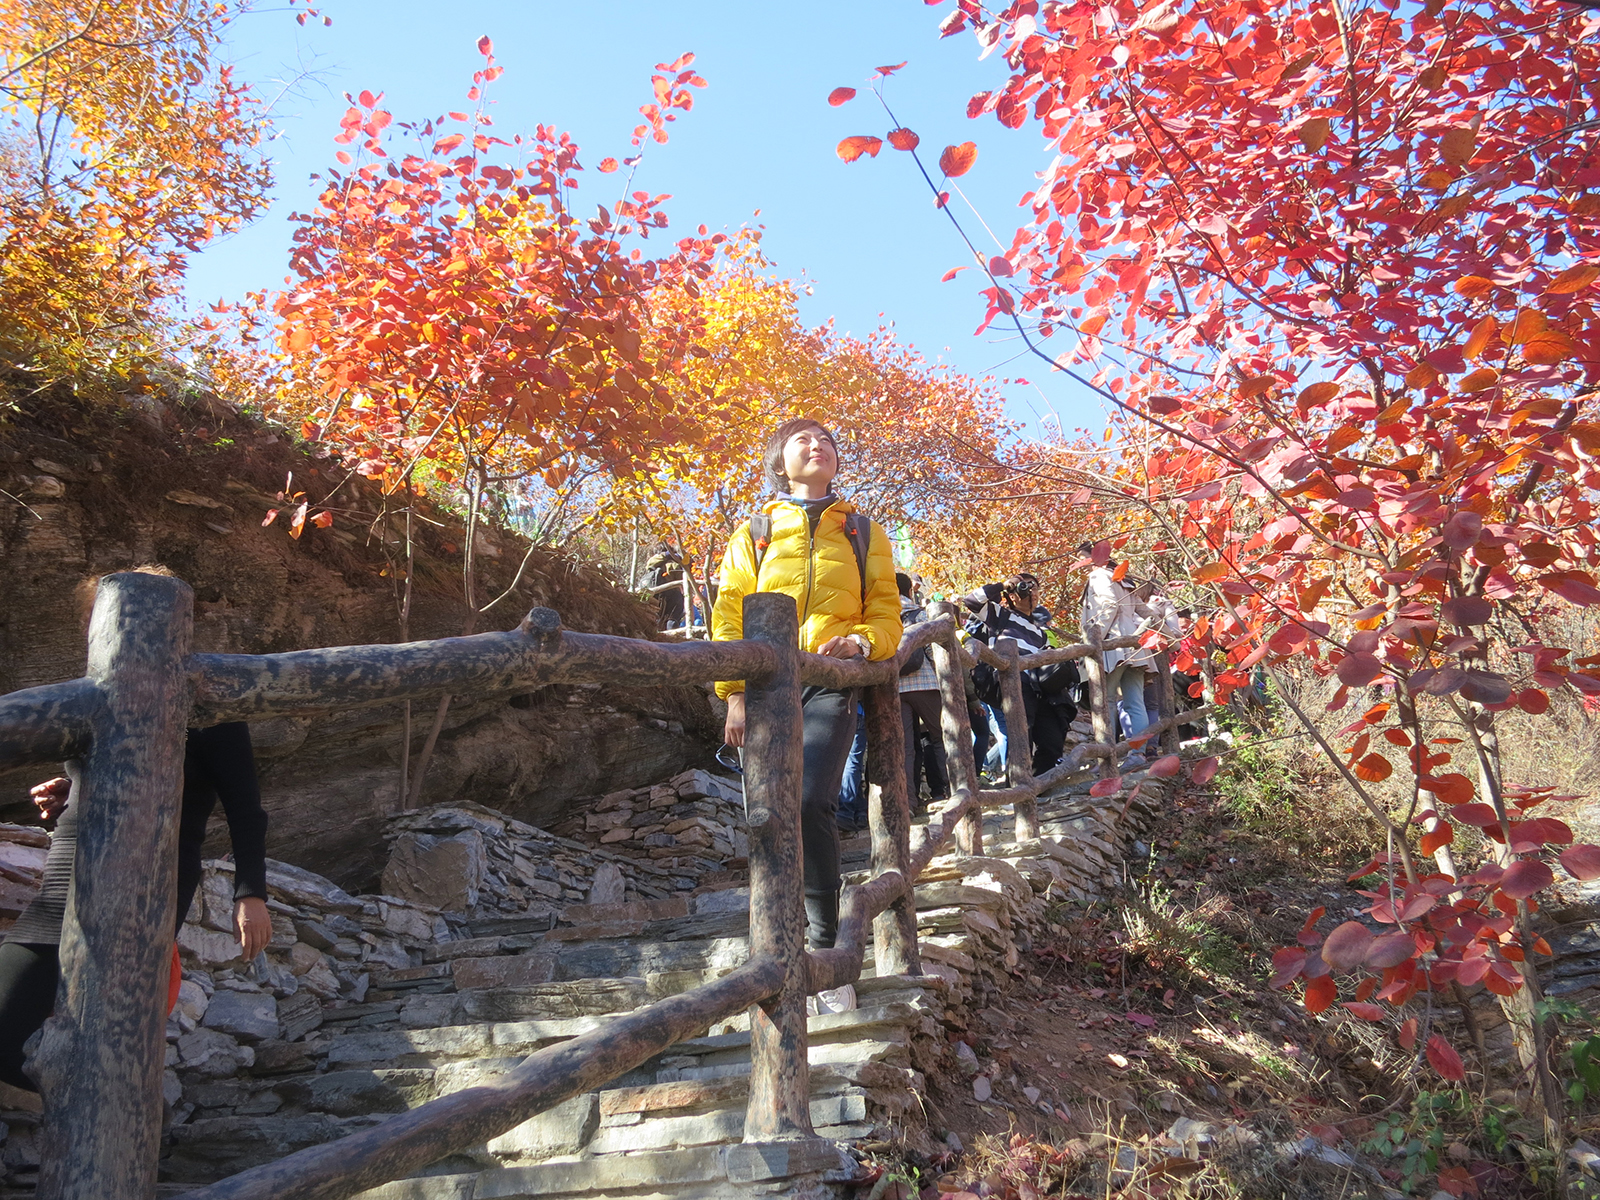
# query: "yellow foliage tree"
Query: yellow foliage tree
125,146
914,436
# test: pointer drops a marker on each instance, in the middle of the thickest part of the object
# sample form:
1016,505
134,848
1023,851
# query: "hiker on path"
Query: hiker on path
919,711
217,764
811,544
1011,610
1114,608
664,568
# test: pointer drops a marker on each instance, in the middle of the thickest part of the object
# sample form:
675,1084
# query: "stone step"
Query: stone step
816,1167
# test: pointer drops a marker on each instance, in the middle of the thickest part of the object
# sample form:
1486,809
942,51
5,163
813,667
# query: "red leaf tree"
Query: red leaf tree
1335,267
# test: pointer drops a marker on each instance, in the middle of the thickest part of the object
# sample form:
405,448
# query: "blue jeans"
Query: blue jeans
995,762
853,786
1132,714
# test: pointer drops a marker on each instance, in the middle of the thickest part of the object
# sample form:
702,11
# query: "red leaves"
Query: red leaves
1358,670
1576,587
1582,861
1465,611
1204,771
1441,835
1165,766
1363,1009
485,46
1444,1059
1462,530
607,166
1390,950
903,139
1525,877
1480,815
1320,993
1308,935
853,148
1105,787
1286,965
1346,947
841,95
1374,768
957,160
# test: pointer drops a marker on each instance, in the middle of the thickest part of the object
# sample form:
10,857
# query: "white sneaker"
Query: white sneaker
832,1000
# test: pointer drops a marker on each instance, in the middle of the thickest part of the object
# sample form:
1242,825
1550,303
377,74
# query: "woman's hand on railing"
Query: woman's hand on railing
733,728
841,647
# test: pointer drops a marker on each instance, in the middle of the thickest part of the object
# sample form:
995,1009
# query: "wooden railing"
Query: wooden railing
101,1057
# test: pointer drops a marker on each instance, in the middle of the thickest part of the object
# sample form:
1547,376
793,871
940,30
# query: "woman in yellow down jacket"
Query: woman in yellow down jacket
811,557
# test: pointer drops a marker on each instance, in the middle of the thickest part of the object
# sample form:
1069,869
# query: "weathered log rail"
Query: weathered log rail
101,1057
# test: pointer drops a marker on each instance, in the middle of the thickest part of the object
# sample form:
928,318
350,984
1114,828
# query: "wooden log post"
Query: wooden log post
1019,738
1102,708
780,1089
1167,704
956,727
894,931
102,1053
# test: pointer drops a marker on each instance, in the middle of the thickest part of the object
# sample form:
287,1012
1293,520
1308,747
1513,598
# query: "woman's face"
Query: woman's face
811,460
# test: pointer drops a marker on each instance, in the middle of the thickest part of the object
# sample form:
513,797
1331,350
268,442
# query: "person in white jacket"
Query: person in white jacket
1114,609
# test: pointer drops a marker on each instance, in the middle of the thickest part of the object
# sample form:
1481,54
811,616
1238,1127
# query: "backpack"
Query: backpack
661,572
914,663
985,679
856,527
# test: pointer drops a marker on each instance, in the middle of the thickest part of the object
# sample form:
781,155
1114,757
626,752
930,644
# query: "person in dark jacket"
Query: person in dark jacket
218,764
665,567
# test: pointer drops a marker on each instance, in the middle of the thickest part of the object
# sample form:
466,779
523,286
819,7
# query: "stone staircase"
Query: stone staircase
429,1002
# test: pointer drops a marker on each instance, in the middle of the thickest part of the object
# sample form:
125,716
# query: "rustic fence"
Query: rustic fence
101,1057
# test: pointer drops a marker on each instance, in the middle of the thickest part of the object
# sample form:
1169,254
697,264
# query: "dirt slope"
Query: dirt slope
186,481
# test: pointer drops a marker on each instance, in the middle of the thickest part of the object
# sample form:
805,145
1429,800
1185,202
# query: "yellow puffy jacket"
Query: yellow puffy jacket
821,574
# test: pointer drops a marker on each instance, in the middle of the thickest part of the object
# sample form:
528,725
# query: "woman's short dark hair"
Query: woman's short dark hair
772,458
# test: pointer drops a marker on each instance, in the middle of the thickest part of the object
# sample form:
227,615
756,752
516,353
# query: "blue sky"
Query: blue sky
761,136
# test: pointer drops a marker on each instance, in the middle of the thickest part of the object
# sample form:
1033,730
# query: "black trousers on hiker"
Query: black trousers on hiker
922,708
29,974
1048,723
830,726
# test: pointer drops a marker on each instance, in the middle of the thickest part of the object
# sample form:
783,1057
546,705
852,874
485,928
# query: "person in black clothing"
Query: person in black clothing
998,612
665,567
218,764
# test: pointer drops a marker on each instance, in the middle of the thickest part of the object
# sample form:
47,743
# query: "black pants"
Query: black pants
830,727
922,708
28,978
1047,723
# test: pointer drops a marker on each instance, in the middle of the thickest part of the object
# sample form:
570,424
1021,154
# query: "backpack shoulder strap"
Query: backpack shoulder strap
760,539
859,530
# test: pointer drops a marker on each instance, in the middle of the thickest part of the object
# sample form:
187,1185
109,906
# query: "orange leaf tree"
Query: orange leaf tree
455,319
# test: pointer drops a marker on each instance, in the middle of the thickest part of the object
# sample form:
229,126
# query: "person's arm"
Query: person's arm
982,599
224,753
880,624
